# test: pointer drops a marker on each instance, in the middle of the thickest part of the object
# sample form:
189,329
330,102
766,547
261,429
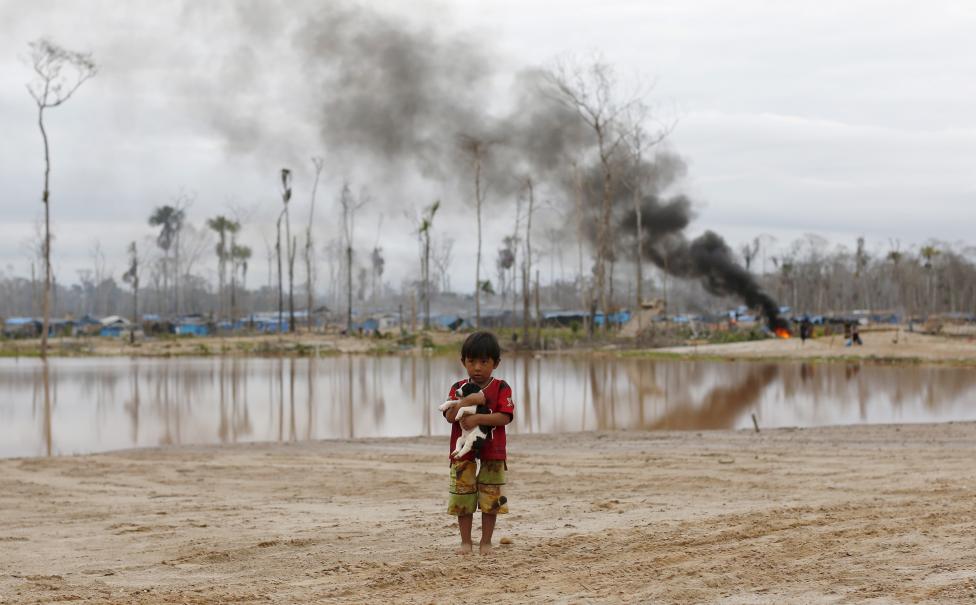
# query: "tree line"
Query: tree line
810,275
601,167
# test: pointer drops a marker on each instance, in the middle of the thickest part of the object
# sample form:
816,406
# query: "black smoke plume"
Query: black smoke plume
383,91
377,88
391,90
707,257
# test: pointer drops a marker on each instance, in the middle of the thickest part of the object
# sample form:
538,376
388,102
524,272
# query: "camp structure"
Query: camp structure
116,326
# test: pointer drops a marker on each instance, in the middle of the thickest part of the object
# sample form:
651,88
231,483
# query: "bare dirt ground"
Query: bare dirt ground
301,343
890,345
869,514
887,345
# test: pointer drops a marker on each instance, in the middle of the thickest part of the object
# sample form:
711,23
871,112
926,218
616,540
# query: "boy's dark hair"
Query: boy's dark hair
481,345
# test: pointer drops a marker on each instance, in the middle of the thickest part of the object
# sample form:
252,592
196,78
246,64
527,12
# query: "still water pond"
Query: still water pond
91,405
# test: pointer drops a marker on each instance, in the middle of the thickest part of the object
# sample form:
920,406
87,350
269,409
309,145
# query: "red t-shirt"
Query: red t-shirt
498,398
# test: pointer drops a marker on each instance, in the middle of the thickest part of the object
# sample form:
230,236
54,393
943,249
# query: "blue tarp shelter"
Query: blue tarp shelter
618,318
449,321
113,331
368,325
192,328
21,326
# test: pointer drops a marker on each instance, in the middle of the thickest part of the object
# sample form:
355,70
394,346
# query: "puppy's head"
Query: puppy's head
467,389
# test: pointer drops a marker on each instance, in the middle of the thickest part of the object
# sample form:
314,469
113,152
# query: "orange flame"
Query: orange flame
782,333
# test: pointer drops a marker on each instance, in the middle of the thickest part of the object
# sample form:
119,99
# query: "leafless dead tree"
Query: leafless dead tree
350,205
335,255
592,91
425,224
99,274
514,240
33,249
131,276
318,163
584,291
441,255
527,259
749,251
477,148
639,141
269,251
181,255
240,256
59,73
191,245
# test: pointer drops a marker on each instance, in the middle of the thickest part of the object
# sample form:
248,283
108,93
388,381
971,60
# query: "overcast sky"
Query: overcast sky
836,118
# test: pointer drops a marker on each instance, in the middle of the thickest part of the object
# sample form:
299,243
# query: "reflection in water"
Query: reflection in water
350,398
310,399
426,410
69,406
132,405
722,405
235,420
46,425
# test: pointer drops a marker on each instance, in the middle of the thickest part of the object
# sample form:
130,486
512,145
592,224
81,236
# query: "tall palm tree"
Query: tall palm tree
239,256
223,227
169,219
928,253
285,198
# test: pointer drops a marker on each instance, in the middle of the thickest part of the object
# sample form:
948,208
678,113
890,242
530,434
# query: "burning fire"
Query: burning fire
782,332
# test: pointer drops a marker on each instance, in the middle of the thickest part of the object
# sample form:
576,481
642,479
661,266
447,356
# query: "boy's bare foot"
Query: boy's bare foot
465,549
485,549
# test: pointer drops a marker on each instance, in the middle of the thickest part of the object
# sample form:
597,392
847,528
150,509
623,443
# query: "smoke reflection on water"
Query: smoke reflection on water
85,405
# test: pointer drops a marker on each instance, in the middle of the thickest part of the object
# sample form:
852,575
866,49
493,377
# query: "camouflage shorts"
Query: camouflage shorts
469,493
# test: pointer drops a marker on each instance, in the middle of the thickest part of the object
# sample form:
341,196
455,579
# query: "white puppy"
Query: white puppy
470,438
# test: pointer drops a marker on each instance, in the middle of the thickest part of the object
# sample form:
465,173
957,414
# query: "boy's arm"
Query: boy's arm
504,415
493,419
473,399
451,413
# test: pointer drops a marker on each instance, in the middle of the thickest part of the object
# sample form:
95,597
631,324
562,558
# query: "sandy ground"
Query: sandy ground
886,345
871,514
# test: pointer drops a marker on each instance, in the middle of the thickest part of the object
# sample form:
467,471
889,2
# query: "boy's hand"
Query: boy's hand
452,411
469,421
477,398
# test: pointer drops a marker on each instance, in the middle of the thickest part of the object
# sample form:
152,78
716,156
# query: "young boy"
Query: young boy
480,355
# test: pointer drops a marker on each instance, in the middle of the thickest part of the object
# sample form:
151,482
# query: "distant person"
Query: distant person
806,330
856,335
480,356
847,333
